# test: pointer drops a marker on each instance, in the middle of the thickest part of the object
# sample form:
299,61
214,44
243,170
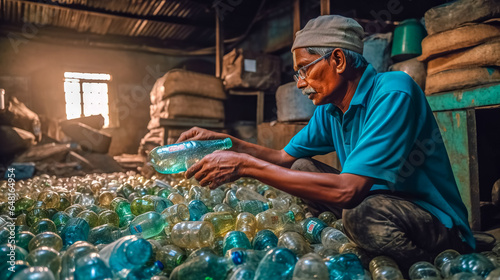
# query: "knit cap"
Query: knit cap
332,31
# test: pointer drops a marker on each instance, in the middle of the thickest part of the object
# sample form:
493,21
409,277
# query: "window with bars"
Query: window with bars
86,94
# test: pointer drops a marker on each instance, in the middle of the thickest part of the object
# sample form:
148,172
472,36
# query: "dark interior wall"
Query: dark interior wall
40,68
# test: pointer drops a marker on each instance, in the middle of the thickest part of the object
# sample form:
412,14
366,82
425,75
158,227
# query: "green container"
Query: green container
407,40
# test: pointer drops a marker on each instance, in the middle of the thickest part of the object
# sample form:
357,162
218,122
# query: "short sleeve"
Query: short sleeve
315,138
387,137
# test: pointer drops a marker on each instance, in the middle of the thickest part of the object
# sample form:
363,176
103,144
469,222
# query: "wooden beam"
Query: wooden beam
105,13
57,35
325,7
219,44
296,17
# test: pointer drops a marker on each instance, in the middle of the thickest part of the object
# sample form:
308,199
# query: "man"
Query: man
396,186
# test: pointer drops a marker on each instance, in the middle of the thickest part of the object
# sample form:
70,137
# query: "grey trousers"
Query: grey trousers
387,224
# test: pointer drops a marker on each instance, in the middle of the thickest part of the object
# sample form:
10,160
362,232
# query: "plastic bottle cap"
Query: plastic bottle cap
267,205
237,257
160,265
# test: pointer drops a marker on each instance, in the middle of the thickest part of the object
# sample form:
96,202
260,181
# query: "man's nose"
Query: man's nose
301,83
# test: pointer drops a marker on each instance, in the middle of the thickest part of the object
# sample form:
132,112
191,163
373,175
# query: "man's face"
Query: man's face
322,83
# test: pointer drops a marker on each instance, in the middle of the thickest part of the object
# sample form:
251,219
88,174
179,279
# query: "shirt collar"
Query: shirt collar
359,98
364,86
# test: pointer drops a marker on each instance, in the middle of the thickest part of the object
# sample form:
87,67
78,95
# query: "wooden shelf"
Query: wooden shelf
260,101
455,113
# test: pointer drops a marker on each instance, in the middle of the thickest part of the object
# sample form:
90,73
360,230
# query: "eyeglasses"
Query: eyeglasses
302,72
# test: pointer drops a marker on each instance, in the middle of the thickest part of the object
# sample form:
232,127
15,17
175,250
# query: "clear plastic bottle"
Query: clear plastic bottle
34,273
474,263
202,267
240,256
7,271
251,206
105,198
176,198
60,219
384,267
73,253
295,242
312,228
104,234
465,276
148,224
249,194
89,216
242,272
310,266
198,193
45,257
148,203
77,229
298,212
92,267
346,266
274,219
193,234
145,273
231,198
16,251
49,198
108,217
280,203
74,210
43,225
339,224
223,207
125,254
216,196
424,270
22,205
121,206
23,239
235,239
48,239
179,157
278,263
223,222
443,261
175,214
363,256
197,209
246,223
170,256
264,240
333,238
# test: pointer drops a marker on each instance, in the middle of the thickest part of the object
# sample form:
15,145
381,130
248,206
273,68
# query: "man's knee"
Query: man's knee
303,164
366,225
311,165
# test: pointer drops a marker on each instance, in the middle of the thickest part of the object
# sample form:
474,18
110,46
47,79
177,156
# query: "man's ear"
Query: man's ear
340,61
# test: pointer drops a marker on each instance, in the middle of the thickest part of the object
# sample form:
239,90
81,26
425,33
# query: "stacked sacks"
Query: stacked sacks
182,95
463,46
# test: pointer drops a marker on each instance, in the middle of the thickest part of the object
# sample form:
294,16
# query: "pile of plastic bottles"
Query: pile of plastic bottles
125,226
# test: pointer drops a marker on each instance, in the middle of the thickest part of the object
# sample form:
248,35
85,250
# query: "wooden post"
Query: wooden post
219,44
325,7
296,17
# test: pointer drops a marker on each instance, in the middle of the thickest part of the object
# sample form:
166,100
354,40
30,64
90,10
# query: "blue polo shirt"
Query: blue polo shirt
390,134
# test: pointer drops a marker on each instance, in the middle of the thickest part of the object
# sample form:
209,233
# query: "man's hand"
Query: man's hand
218,168
197,133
